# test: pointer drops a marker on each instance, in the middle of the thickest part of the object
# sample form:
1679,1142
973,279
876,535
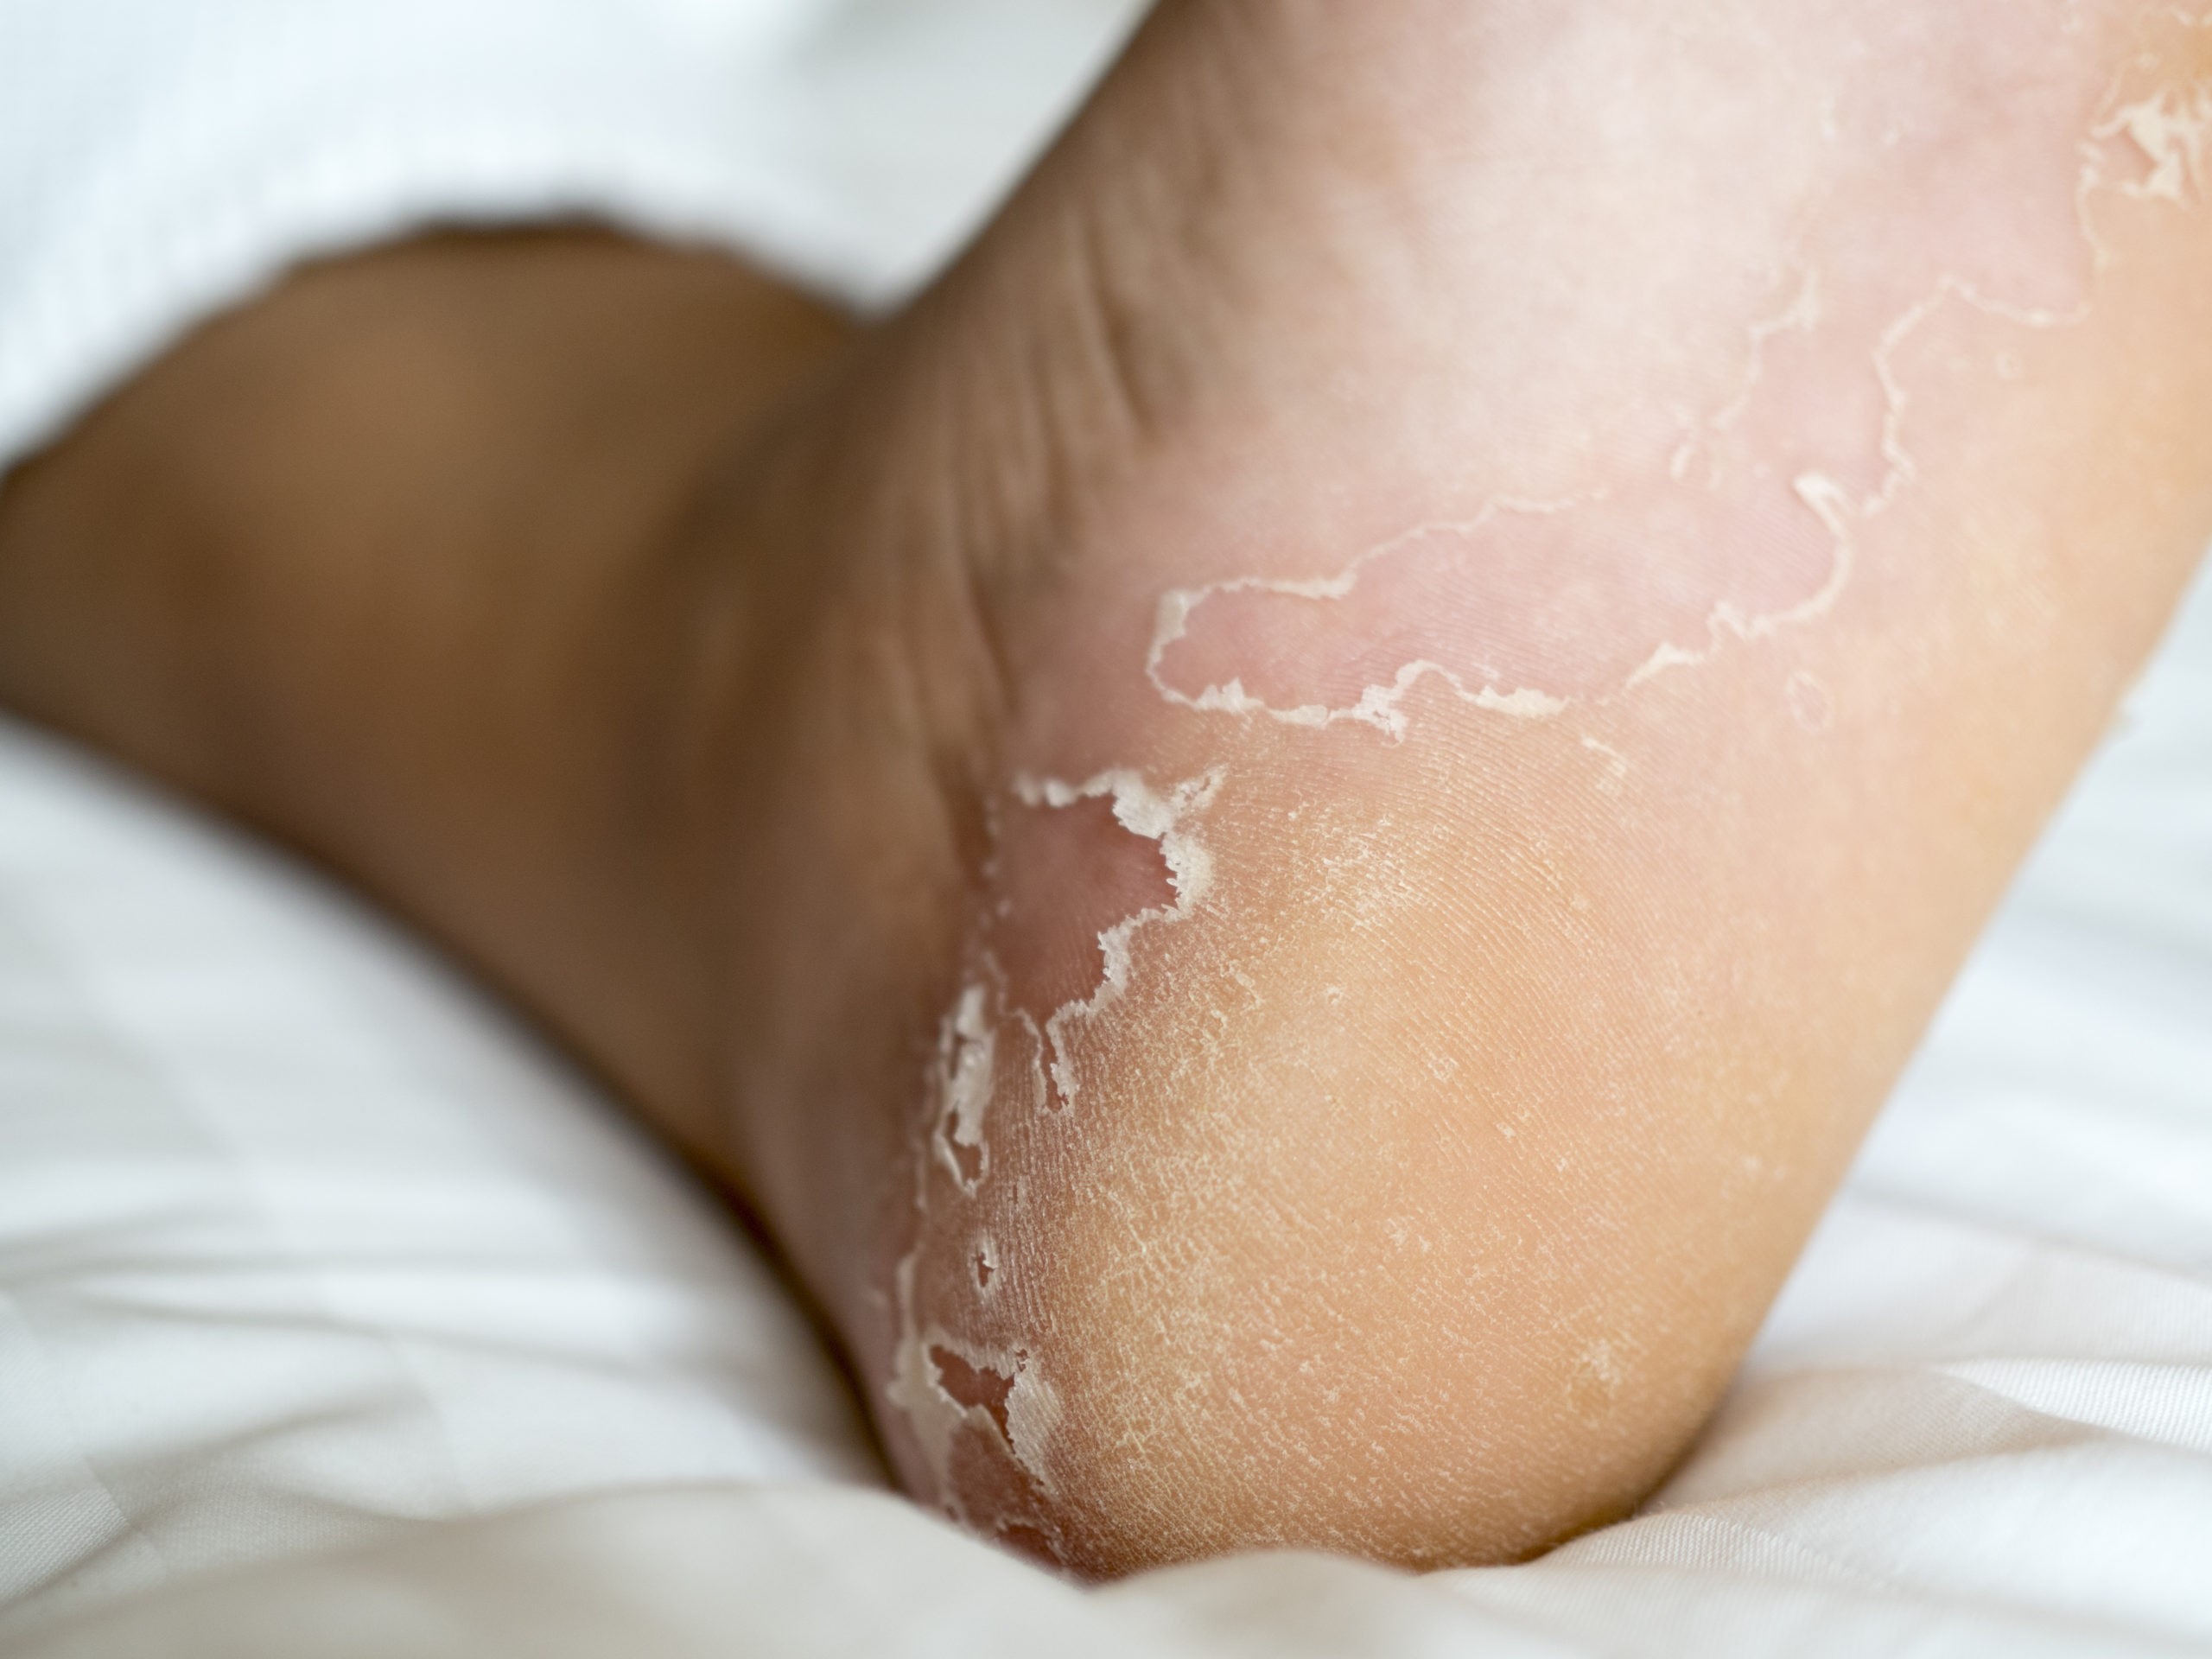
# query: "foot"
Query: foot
1478,609
1286,836
1456,620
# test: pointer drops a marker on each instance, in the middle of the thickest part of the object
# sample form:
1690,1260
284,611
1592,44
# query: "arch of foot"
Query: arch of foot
1118,940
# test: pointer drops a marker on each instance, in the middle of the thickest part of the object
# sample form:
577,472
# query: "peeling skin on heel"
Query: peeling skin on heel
1142,813
970,1050
1739,525
2167,129
1744,526
1068,871
963,1401
1077,873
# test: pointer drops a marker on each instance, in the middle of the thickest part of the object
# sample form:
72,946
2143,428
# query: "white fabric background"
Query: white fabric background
335,1319
162,158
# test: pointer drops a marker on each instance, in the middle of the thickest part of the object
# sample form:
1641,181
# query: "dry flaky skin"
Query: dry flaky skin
1409,1173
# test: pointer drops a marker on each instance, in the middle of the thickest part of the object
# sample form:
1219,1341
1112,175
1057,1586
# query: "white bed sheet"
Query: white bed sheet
161,159
335,1319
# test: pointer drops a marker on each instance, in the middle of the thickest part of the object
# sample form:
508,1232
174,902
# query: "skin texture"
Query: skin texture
1286,835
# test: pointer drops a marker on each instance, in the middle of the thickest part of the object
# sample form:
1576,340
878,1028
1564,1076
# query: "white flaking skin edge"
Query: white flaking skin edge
966,1078
1032,1408
1379,706
1832,503
1143,812
969,1060
2172,132
1802,315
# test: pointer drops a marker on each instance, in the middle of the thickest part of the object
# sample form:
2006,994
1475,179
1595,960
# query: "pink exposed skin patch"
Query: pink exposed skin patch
1077,873
1744,523
1067,873
1156,819
1505,610
975,1388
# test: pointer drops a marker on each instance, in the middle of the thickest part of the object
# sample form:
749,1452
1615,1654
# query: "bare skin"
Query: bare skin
1286,835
